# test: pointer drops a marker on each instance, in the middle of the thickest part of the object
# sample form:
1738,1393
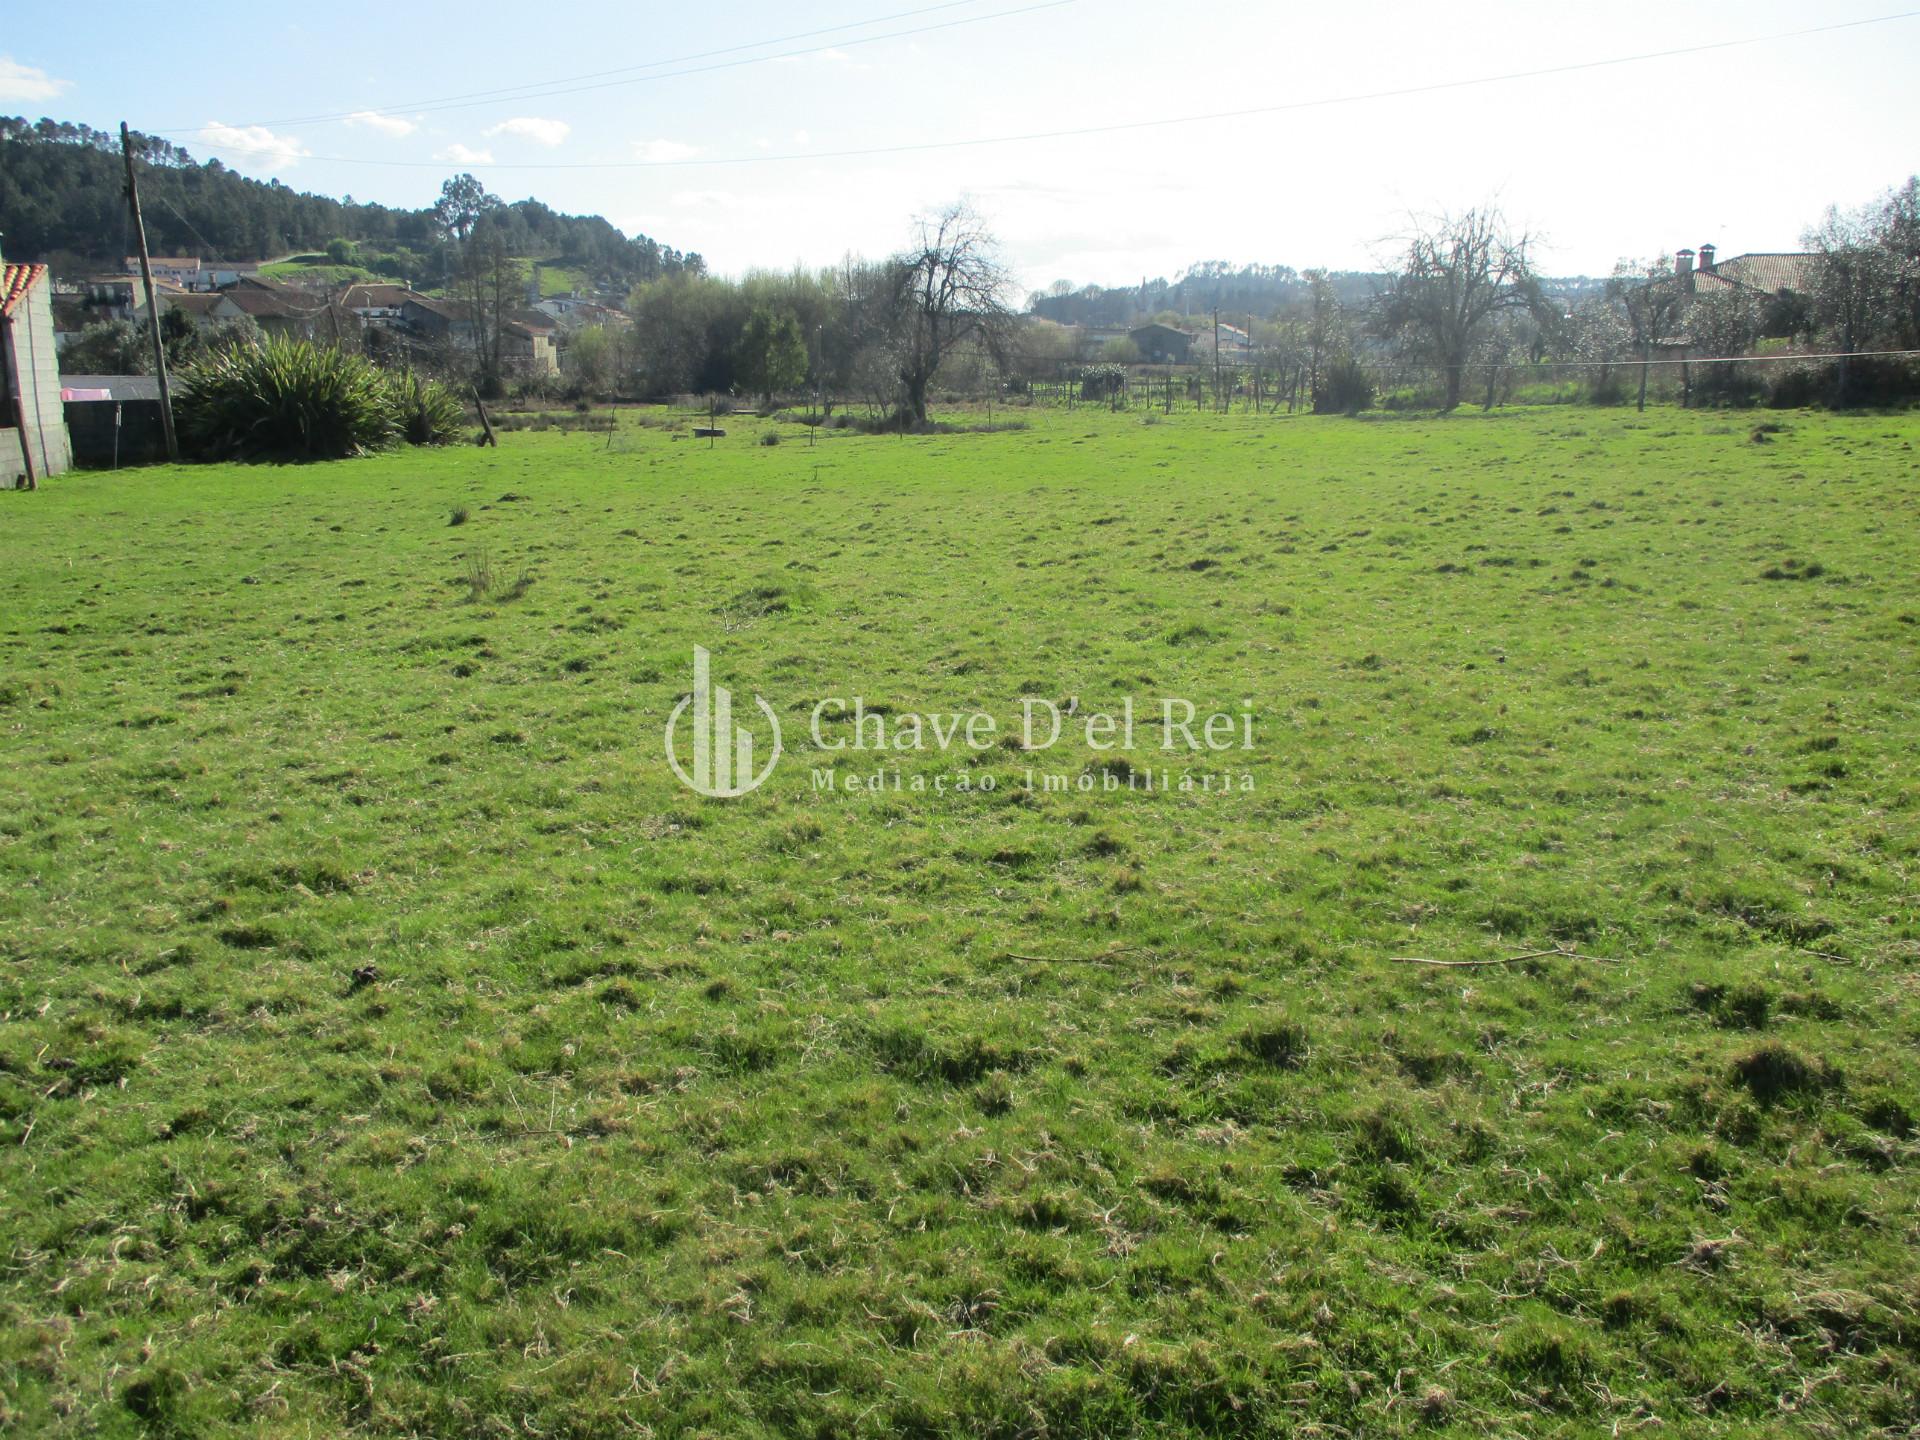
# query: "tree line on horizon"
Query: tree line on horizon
62,201
1463,308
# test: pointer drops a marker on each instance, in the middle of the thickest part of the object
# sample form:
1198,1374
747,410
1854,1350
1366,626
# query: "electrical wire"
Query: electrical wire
562,88
1117,127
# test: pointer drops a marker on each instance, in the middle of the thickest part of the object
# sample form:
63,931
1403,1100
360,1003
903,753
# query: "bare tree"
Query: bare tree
1852,280
1722,322
1896,231
1595,334
952,289
1326,326
1458,273
1651,301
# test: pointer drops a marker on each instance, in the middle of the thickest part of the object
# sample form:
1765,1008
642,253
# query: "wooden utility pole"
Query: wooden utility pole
1216,357
153,310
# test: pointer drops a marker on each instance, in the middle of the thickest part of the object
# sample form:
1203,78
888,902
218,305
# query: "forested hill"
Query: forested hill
61,200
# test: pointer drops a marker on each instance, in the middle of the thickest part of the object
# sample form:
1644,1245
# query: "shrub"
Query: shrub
286,400
428,412
1869,381
1345,389
1607,389
1101,382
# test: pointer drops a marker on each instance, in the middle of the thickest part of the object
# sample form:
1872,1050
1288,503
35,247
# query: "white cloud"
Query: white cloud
663,152
24,82
801,137
534,128
460,154
253,142
391,125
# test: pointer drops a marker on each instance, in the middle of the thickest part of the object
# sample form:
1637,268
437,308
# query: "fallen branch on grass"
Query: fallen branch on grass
1559,952
1827,955
1100,959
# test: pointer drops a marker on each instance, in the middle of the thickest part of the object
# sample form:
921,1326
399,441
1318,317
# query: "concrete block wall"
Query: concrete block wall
33,358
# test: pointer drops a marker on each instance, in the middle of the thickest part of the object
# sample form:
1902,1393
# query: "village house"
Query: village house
442,322
1162,344
122,297
292,313
201,307
181,270
561,306
378,304
1766,276
190,272
570,312
526,348
1234,345
218,274
33,429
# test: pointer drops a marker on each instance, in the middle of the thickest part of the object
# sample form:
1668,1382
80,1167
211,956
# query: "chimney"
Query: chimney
1706,257
1683,264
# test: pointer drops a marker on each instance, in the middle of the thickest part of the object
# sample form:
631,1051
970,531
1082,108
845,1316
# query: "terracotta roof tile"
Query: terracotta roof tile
15,282
1770,273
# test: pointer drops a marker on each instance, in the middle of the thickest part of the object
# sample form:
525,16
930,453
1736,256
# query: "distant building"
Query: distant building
291,313
33,431
560,306
218,274
570,312
1162,344
122,297
199,306
444,321
527,350
1764,275
182,270
190,272
1235,345
378,304
526,337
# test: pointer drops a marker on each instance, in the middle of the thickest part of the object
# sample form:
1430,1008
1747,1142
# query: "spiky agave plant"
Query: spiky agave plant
286,400
429,413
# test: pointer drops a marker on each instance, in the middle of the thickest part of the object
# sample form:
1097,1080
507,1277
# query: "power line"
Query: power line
1117,127
550,89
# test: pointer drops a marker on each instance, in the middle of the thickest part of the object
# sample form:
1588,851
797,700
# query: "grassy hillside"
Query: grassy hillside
317,269
393,1046
556,279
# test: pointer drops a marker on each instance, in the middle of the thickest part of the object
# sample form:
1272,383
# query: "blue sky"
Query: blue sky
1741,147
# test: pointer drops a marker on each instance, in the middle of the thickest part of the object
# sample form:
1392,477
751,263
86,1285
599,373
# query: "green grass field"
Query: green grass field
392,1046
557,279
318,270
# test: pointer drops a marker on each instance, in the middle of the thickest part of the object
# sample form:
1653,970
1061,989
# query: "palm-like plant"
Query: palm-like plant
429,413
287,400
